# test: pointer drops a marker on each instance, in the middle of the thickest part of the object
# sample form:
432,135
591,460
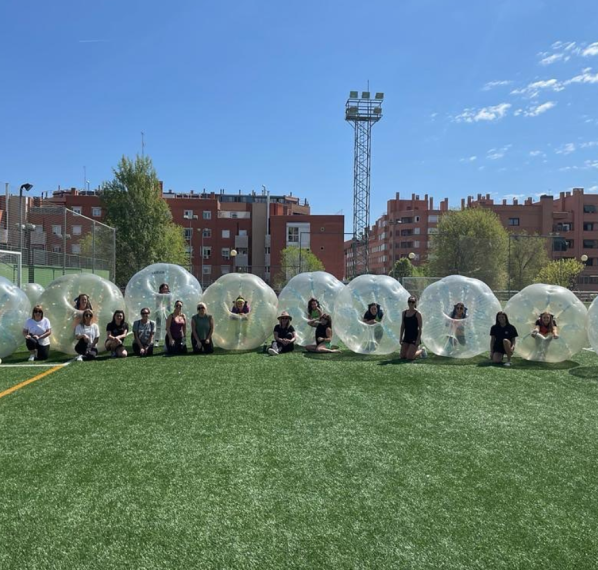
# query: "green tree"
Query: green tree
563,272
527,256
294,260
471,242
145,232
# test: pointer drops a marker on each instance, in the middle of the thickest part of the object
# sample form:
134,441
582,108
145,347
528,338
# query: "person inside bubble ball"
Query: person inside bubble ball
457,336
314,311
502,339
143,333
240,308
116,332
323,336
87,335
411,332
176,331
82,302
163,309
545,332
202,328
284,335
37,333
373,316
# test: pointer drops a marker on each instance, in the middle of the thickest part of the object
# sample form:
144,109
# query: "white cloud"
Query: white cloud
591,189
514,196
533,89
549,59
497,153
585,77
535,111
493,113
588,144
591,50
590,164
493,84
536,153
567,148
469,159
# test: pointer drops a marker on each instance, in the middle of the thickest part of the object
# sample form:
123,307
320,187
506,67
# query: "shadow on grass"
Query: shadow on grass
520,364
347,356
585,372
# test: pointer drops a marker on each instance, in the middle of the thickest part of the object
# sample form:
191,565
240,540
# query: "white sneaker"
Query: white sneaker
424,353
507,364
79,358
31,358
272,352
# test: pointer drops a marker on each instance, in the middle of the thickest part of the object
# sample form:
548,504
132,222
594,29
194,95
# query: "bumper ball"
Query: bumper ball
15,309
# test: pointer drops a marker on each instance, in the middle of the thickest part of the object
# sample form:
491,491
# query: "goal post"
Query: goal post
11,266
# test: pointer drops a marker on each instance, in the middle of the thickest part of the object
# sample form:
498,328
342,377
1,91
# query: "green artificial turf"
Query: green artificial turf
301,461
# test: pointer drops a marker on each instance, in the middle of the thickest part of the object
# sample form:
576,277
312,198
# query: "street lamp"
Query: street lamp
233,254
25,187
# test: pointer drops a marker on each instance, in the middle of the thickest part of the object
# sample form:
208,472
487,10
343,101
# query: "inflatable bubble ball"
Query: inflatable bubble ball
568,312
59,300
457,314
254,318
33,292
592,327
144,290
15,309
353,302
296,295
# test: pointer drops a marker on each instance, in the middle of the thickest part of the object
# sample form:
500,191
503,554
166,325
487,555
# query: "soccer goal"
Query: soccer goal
416,285
11,266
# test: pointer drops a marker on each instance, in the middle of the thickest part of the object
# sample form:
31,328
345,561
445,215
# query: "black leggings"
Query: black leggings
43,351
82,347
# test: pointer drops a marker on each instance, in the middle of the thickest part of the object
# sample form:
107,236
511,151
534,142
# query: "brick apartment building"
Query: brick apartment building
255,226
571,219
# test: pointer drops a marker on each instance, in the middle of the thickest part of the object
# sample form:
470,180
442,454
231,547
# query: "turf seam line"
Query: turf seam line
34,379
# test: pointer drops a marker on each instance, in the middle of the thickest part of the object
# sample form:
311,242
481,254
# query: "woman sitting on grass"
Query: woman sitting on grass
176,331
87,335
37,333
284,336
502,339
323,336
143,332
116,331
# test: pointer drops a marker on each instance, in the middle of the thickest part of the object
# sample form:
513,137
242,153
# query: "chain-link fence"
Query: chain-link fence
55,241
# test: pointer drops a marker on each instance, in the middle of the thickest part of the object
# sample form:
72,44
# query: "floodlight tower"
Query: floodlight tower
362,112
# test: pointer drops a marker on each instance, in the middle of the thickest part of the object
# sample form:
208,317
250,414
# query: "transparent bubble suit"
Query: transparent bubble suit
143,291
58,304
569,312
352,303
297,293
33,291
15,309
235,332
458,338
592,327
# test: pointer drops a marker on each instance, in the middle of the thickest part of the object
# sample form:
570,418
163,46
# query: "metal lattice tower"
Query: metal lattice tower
362,112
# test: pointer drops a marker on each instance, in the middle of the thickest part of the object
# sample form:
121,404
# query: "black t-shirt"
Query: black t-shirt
368,316
284,333
117,330
321,332
503,333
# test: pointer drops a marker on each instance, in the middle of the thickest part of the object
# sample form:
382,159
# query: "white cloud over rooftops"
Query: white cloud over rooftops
493,113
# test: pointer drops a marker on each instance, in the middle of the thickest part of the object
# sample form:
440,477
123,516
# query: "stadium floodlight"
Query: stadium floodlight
365,95
353,94
379,96
25,187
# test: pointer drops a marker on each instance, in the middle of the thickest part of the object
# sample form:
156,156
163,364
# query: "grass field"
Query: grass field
300,461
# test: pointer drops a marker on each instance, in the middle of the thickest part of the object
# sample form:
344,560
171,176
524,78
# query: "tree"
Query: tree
561,272
402,268
471,242
527,256
295,260
145,232
98,244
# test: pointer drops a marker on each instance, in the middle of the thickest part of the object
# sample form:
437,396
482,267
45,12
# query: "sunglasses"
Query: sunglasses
411,302
144,313
87,315
38,312
201,308
178,306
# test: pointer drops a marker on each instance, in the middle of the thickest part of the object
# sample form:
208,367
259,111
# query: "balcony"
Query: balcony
242,260
241,242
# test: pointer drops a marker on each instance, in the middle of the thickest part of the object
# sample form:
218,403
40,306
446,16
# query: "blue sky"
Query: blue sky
493,97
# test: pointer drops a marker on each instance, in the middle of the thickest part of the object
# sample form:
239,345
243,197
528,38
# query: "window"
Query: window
225,234
96,212
207,215
206,270
76,209
406,220
225,252
57,230
267,250
189,249
188,214
433,219
76,248
207,251
188,233
590,261
559,244
207,233
224,269
56,249
76,230
589,244
588,227
513,221
242,233
589,209
416,231
292,235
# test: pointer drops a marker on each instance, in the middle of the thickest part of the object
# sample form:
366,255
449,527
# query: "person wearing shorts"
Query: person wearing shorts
323,336
411,332
284,336
502,339
87,335
144,331
202,328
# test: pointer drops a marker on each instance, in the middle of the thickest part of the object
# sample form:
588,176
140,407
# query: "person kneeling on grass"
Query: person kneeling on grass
284,335
143,333
411,332
323,336
87,335
37,333
502,339
116,331
202,328
176,331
